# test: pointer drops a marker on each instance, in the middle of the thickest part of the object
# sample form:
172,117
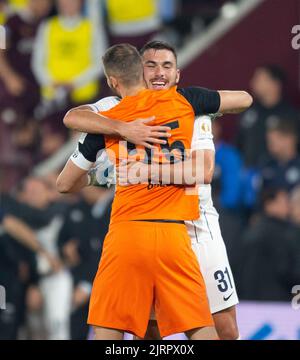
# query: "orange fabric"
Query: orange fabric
160,202
144,263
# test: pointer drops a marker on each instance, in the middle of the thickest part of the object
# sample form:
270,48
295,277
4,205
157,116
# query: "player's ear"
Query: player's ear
112,82
177,76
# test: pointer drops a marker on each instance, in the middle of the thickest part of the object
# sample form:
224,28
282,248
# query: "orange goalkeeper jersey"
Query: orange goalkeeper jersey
145,202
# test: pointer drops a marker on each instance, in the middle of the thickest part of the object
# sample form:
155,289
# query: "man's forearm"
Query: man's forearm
93,123
138,131
198,169
186,173
182,173
72,178
234,102
80,184
64,187
22,233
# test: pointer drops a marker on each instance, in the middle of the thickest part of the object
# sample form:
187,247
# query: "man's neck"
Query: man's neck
132,91
271,100
287,156
70,21
27,15
272,212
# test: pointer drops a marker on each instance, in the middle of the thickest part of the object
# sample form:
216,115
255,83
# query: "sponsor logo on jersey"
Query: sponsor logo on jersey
75,154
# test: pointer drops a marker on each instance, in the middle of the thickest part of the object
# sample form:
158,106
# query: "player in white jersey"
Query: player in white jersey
205,233
161,72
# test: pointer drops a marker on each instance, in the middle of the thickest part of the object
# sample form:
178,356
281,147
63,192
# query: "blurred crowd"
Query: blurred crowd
50,244
256,189
52,63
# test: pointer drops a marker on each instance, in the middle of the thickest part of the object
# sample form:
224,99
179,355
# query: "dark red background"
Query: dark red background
264,36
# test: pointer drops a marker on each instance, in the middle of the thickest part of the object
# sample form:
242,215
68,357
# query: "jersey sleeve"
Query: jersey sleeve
89,145
87,149
105,104
203,137
203,101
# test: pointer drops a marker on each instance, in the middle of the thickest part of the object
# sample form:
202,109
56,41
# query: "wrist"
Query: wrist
215,116
118,127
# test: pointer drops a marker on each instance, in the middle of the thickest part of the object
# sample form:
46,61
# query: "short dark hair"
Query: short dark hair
124,62
275,71
158,45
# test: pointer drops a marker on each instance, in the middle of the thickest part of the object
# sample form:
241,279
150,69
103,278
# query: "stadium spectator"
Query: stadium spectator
8,7
19,151
52,139
281,168
184,18
80,240
228,170
36,306
19,92
3,11
17,5
34,206
66,58
267,252
295,206
227,190
18,243
169,11
16,271
18,89
295,232
133,22
267,87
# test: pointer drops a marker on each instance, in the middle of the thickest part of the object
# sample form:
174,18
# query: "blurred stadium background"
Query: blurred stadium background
50,243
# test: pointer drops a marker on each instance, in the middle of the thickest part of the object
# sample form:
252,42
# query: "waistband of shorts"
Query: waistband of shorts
168,221
148,223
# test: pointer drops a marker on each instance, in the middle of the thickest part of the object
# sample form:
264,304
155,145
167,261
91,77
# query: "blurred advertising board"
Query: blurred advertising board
268,321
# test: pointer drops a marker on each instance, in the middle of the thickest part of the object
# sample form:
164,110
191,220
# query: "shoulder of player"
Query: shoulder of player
193,94
87,149
193,90
86,138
